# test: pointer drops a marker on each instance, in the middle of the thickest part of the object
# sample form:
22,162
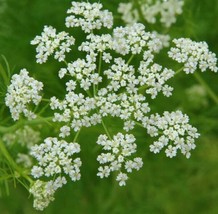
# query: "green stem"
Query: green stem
76,136
100,63
139,124
106,130
20,124
46,100
94,90
89,94
130,59
7,65
179,70
210,92
12,163
43,109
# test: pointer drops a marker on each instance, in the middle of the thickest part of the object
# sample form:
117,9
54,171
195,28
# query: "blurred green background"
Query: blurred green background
163,185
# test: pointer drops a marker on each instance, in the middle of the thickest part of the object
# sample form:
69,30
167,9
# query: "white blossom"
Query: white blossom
166,10
119,150
43,191
88,16
55,157
23,91
50,43
174,132
194,55
134,39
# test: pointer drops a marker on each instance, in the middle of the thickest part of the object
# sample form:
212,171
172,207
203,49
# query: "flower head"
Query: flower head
194,55
23,91
50,43
117,158
88,16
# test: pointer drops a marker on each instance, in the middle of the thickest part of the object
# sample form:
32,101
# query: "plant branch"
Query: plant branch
106,130
20,124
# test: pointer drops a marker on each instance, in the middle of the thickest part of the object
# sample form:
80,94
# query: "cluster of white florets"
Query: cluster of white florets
194,55
173,131
55,158
43,191
155,78
124,40
25,136
120,149
97,43
150,10
23,91
88,16
50,43
76,111
134,39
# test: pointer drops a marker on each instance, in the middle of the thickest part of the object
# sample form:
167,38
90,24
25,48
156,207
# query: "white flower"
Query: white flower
134,39
175,129
43,192
120,148
64,131
166,10
122,178
37,171
171,151
23,91
52,43
194,55
55,157
88,16
103,171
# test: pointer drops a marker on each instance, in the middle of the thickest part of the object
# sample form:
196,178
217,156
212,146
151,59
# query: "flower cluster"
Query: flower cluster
50,43
25,136
149,10
55,157
134,39
121,97
124,40
43,191
88,16
120,148
21,92
105,83
194,55
96,43
155,78
173,131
